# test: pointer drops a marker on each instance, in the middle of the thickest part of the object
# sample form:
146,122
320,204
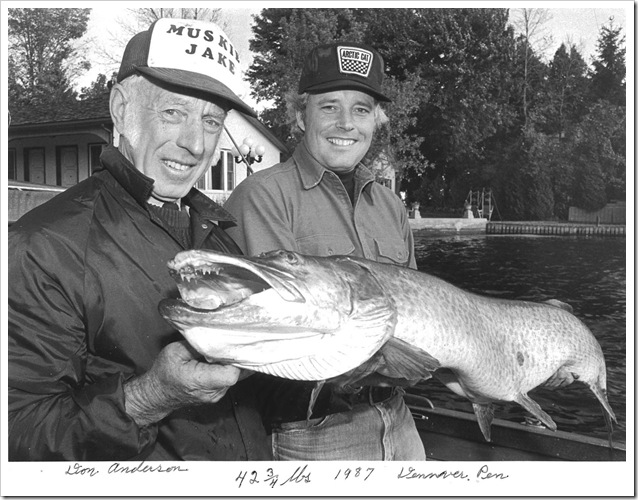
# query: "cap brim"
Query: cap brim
346,85
199,82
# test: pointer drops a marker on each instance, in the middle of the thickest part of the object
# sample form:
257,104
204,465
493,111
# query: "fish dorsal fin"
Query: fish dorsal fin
560,304
396,363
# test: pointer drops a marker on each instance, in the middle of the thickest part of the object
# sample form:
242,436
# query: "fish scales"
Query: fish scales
343,319
484,339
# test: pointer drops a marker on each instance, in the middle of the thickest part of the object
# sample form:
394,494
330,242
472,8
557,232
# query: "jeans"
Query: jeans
382,431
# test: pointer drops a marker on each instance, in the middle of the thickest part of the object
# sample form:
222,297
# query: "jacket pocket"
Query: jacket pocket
391,251
323,245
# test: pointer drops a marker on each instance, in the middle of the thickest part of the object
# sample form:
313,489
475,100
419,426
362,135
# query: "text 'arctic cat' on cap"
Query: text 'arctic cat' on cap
343,65
187,53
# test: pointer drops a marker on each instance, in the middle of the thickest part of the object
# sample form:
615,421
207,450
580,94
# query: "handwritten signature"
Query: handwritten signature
116,468
482,474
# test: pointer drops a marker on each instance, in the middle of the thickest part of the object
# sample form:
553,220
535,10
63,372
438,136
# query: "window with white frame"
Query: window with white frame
221,176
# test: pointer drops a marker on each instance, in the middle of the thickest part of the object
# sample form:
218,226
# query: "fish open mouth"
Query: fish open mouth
210,281
266,314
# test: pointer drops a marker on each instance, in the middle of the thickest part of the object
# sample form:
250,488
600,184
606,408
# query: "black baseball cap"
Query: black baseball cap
343,65
187,53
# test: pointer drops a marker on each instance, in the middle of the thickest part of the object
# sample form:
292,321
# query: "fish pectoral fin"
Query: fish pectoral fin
398,359
484,415
561,378
396,363
533,407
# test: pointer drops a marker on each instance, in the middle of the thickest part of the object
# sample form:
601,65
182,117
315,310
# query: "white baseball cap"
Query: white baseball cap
187,53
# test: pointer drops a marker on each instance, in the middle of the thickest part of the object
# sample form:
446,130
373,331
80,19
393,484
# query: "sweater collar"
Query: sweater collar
140,186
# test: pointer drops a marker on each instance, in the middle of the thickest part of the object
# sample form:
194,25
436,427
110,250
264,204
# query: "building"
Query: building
61,146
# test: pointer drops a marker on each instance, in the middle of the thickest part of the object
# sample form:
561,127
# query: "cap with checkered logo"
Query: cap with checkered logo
343,65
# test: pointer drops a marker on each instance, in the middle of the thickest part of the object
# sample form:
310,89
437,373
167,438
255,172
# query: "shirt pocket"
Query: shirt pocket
323,245
391,251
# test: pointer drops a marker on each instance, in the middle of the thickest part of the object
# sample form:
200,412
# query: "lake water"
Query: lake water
587,273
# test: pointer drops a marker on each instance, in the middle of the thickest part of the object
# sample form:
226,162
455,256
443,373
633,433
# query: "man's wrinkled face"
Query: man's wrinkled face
172,138
338,127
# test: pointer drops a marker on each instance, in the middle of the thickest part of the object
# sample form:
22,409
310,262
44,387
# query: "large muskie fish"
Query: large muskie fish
350,321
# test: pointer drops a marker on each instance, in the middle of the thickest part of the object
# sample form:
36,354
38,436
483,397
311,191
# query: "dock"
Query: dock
556,229
459,225
542,228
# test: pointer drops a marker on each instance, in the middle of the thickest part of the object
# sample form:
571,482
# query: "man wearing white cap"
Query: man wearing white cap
324,201
95,373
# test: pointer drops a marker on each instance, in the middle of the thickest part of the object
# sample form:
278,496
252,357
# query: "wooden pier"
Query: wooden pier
555,229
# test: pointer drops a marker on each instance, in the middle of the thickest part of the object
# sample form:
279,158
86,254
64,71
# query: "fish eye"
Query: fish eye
291,257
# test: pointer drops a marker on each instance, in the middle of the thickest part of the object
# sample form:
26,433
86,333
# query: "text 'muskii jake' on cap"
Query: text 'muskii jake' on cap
343,65
187,53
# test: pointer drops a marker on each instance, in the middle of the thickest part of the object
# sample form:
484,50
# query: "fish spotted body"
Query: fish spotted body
351,321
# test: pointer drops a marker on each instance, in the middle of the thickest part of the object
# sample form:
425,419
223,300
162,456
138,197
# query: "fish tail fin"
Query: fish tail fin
533,407
484,414
608,413
601,395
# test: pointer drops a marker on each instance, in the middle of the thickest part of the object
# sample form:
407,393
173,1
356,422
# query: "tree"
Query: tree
599,157
466,56
531,26
41,62
609,71
137,20
566,89
100,87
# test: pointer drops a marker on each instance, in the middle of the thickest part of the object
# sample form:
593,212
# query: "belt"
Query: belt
372,395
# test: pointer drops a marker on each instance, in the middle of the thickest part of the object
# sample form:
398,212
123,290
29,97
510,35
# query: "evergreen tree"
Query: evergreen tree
609,71
564,101
40,53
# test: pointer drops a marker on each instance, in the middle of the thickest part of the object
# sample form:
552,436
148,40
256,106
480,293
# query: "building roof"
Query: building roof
94,109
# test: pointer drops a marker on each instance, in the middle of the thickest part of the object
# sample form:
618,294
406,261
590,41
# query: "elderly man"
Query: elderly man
324,201
95,373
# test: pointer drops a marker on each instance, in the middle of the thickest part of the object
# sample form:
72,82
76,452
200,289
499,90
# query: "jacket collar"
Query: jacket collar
312,172
140,186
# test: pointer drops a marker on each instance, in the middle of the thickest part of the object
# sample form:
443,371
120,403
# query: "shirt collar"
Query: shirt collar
139,186
312,172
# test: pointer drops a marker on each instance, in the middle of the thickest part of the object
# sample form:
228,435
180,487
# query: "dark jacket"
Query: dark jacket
86,273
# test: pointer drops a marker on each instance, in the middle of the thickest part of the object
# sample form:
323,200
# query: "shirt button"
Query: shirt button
204,226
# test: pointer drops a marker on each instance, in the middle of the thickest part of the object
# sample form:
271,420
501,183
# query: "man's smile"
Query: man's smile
341,142
176,166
